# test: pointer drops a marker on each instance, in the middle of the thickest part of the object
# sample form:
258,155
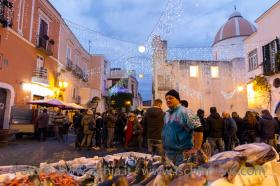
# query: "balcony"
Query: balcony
69,65
6,13
45,44
40,76
77,71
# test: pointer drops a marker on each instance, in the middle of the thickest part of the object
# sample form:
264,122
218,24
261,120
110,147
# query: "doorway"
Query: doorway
3,99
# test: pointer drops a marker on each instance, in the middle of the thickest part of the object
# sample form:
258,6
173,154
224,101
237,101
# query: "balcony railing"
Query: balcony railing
45,44
69,64
77,71
40,75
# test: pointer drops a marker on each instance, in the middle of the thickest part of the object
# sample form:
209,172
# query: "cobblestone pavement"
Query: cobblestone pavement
28,151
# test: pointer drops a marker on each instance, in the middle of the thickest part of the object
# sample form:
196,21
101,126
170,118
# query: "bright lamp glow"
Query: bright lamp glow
251,94
193,71
36,89
141,49
214,72
141,75
240,88
26,87
65,84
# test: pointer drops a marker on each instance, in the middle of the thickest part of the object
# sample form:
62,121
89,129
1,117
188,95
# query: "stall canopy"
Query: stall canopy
57,103
48,103
73,106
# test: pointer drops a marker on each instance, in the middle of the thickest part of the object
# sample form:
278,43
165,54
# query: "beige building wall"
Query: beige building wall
71,53
202,91
268,30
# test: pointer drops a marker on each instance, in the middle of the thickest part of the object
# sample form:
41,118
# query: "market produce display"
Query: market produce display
247,165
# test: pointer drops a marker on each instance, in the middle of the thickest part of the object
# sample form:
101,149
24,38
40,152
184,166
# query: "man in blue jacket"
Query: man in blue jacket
179,124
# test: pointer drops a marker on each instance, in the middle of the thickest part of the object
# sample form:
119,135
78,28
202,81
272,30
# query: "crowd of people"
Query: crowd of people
175,133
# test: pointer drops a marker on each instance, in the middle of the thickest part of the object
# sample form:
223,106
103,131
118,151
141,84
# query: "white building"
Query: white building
262,51
219,82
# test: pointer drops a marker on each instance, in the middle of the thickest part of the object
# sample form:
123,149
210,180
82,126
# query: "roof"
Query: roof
236,26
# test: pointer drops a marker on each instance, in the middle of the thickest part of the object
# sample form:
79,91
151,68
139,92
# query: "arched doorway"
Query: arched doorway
3,97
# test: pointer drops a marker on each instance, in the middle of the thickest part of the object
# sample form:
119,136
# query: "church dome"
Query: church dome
236,26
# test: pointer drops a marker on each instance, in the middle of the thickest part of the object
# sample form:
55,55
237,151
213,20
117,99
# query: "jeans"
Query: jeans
87,140
42,133
79,136
216,142
176,157
155,146
111,133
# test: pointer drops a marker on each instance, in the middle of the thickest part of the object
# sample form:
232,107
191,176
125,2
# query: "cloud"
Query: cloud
133,20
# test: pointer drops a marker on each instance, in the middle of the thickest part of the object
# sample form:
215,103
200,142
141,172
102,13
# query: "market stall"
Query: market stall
248,165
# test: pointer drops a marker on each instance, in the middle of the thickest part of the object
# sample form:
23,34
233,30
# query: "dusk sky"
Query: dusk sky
194,26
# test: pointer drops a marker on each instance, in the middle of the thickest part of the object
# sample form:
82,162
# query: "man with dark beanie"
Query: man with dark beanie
215,129
179,125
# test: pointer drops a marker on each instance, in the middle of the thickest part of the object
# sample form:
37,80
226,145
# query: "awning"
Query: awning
73,106
48,103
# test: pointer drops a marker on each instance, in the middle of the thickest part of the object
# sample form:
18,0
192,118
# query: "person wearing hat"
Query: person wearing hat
133,131
179,125
88,132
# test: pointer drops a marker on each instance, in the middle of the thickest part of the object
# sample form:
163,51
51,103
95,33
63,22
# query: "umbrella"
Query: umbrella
48,103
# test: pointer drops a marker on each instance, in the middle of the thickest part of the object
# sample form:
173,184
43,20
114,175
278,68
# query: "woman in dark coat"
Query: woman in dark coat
250,128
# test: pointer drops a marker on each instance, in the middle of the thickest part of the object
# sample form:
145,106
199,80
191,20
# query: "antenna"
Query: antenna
89,45
235,7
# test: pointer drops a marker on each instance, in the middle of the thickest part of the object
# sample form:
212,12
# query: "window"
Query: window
68,53
76,59
44,28
40,62
214,71
21,15
270,65
74,93
193,71
253,60
85,68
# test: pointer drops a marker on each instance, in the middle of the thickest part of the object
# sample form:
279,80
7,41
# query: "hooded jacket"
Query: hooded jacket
268,127
230,128
153,122
179,124
215,126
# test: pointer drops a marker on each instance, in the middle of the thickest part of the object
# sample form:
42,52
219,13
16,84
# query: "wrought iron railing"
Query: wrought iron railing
6,13
45,44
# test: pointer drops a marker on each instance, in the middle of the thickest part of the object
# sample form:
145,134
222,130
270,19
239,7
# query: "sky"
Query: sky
117,27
